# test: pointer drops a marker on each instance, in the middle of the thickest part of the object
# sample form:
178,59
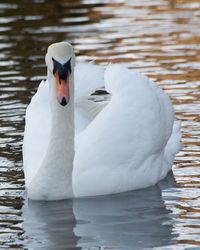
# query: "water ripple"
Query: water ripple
159,38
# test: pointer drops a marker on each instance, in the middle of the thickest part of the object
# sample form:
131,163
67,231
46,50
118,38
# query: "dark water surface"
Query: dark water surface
160,38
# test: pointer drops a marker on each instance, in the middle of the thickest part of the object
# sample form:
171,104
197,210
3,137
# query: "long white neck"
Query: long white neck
54,178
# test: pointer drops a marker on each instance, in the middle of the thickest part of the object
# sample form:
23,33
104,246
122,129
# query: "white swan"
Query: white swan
124,144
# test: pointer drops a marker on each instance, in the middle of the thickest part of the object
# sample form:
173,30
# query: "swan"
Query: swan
76,147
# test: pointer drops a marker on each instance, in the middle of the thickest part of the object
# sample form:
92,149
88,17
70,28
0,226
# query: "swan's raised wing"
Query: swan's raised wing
37,128
86,110
88,79
124,147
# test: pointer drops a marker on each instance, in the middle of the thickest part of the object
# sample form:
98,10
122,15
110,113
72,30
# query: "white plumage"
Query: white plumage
123,144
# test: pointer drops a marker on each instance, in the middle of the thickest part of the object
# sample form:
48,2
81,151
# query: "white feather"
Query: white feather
124,144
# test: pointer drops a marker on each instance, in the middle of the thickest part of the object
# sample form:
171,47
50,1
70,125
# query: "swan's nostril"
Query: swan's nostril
63,102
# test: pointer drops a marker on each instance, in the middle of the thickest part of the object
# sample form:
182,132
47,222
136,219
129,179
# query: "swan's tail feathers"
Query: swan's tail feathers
88,78
172,148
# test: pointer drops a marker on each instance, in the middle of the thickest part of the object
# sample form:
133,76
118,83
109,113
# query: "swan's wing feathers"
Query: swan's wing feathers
86,110
88,78
90,107
162,134
144,93
117,77
36,134
128,139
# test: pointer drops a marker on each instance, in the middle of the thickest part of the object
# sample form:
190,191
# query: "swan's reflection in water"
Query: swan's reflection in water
132,220
49,225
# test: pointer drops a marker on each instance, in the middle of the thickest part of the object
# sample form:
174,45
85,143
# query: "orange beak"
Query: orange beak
62,89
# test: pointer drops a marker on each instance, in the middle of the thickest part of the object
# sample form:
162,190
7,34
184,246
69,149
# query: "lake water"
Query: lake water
160,38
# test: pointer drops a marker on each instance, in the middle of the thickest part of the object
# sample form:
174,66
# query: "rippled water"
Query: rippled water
160,38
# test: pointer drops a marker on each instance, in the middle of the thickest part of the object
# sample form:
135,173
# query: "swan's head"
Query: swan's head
60,63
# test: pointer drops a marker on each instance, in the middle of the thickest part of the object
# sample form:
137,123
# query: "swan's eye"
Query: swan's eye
63,70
